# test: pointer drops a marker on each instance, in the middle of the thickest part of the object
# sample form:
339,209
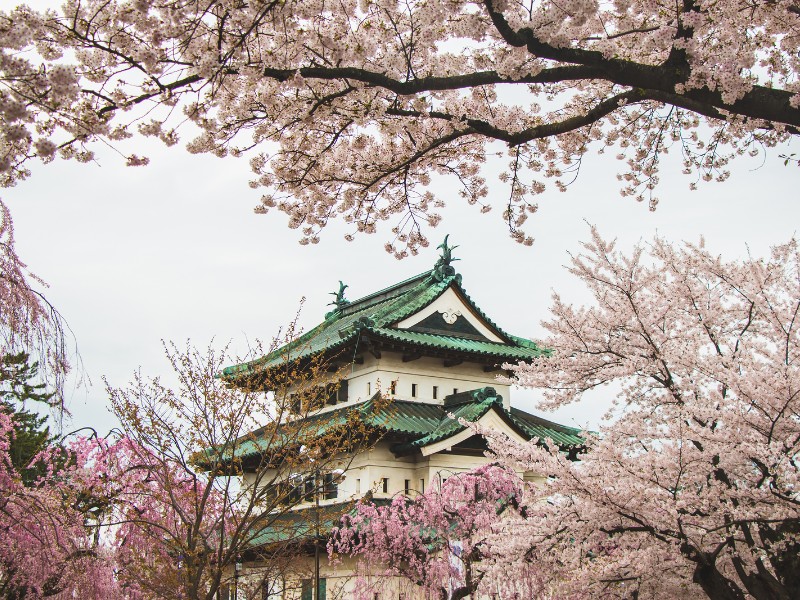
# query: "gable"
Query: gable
490,420
450,315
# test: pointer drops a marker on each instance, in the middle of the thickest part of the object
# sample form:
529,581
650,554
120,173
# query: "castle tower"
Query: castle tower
432,356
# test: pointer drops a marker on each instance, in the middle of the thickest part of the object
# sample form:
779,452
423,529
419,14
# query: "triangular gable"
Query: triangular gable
492,419
450,314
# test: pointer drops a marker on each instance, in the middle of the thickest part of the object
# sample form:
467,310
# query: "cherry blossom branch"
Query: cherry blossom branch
767,104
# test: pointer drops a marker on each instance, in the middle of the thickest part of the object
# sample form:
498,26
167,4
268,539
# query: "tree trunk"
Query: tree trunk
714,584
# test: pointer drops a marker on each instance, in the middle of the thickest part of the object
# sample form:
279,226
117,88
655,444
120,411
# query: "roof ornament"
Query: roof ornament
443,268
339,300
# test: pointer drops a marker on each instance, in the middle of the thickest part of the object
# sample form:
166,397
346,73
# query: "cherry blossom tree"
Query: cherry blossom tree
694,487
347,111
49,544
436,540
49,527
204,471
692,490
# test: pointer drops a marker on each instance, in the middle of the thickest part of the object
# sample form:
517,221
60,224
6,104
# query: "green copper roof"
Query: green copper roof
300,525
537,427
422,423
376,315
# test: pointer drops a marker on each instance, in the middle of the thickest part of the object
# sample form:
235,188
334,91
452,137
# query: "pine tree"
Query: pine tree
31,434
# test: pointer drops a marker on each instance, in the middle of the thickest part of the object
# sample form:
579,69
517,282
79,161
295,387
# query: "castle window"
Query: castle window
369,388
455,390
271,589
310,488
331,393
435,392
330,483
393,387
407,487
421,486
307,589
292,489
358,486
385,485
336,392
413,390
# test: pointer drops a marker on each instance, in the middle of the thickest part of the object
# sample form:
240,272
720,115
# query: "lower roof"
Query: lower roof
417,424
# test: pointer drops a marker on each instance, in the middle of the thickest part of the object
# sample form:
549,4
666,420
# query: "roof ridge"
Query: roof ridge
384,294
473,396
414,300
377,313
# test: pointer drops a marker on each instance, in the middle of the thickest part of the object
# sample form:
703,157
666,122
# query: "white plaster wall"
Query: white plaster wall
364,380
248,479
367,470
341,580
442,466
370,467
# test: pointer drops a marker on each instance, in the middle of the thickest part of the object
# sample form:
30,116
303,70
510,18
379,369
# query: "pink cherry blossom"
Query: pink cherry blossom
436,540
694,487
348,111
28,322
48,547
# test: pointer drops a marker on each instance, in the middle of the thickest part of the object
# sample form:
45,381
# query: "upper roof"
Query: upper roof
383,317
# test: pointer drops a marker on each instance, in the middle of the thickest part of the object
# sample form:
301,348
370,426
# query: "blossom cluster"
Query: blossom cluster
437,540
350,110
695,484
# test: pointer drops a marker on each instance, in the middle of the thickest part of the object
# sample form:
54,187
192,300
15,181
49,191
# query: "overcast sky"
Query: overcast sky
174,251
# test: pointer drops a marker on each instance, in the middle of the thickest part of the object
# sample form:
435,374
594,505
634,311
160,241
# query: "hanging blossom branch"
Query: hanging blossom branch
28,321
362,105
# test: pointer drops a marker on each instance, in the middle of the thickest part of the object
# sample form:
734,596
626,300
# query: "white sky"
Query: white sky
173,251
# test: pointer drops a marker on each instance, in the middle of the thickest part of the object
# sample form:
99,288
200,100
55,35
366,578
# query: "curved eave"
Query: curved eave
341,326
306,346
537,427
427,297
477,348
502,333
255,444
412,301
420,424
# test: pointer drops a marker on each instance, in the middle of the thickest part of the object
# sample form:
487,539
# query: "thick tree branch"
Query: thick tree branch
431,84
540,131
760,102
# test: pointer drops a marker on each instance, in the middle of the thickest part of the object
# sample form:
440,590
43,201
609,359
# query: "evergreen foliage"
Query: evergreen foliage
31,433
